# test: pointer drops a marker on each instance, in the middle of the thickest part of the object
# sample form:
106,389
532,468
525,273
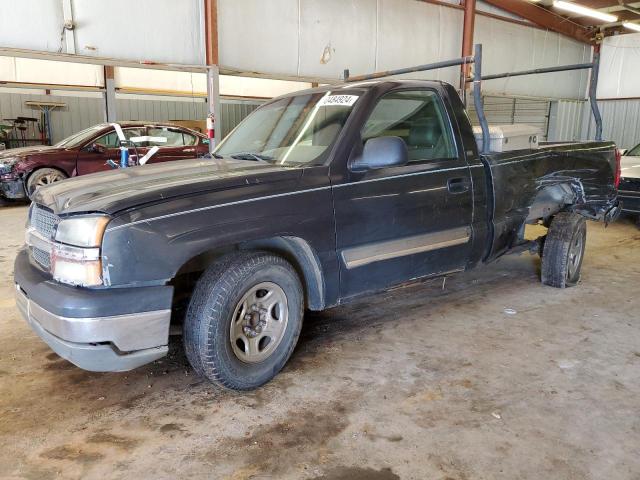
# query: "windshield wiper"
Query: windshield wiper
251,156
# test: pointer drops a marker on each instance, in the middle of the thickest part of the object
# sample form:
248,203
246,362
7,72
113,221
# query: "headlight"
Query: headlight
76,266
75,255
6,167
84,231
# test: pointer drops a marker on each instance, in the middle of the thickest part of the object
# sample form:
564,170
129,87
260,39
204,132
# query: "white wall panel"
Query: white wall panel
337,34
26,70
196,83
160,30
258,35
374,35
31,24
509,47
403,39
620,67
306,38
165,31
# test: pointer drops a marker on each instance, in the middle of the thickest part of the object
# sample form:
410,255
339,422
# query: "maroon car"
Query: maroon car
22,170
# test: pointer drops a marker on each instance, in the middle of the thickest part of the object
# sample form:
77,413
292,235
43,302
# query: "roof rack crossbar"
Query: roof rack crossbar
560,68
476,59
400,71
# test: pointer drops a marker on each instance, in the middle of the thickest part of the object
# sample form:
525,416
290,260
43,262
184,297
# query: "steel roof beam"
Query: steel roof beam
545,18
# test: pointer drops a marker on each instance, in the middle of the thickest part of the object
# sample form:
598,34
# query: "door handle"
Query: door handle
189,150
458,185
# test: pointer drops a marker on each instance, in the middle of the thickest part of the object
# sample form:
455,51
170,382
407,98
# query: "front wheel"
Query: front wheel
244,319
563,250
42,177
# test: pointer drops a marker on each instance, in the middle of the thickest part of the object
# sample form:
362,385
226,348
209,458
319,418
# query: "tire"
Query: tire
563,251
41,177
228,289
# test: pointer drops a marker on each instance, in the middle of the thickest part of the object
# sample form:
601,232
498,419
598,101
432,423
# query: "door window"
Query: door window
188,138
418,118
173,137
110,140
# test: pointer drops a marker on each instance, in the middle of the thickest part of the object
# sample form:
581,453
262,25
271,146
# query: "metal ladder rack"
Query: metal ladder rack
476,59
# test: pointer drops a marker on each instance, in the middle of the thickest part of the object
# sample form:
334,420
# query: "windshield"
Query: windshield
295,130
634,152
80,138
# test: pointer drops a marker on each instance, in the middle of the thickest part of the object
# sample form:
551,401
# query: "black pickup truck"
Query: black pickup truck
316,198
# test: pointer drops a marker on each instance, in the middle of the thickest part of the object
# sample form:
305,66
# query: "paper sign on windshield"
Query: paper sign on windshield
339,100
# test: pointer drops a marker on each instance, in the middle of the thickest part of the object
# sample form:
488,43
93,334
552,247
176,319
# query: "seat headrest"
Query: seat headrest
425,134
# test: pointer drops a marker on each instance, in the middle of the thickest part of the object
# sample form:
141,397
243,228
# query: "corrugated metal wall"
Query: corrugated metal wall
79,112
562,119
501,110
573,120
233,112
83,111
620,122
565,120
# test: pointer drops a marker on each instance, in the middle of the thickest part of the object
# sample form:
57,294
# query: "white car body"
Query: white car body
629,191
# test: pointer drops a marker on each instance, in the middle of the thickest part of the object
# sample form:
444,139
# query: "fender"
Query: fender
152,252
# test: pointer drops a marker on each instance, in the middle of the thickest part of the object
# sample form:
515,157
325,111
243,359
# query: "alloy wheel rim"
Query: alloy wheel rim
47,179
575,255
258,323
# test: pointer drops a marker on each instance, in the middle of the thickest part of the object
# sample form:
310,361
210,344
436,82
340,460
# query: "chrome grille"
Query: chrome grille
44,221
42,257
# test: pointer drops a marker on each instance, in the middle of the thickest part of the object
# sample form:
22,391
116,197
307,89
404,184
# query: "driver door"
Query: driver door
93,156
400,223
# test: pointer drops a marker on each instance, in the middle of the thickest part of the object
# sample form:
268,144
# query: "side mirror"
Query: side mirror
381,152
623,151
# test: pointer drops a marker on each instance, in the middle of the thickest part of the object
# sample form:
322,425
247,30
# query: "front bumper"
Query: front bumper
111,341
12,189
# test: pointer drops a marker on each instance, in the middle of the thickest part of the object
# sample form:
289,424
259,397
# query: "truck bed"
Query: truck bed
530,185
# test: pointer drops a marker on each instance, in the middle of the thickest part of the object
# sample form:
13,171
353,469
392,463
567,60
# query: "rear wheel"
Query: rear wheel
244,319
42,177
563,251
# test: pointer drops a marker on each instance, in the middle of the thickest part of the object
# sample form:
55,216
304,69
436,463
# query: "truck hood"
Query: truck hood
117,190
13,155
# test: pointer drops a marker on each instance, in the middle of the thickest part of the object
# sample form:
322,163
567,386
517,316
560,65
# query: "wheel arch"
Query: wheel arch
295,250
550,200
30,173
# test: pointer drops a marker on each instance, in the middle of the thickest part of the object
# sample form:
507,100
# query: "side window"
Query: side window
189,139
172,136
109,140
416,116
133,132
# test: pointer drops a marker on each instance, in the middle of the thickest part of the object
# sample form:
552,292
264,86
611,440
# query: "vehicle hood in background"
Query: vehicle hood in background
13,155
117,190
630,167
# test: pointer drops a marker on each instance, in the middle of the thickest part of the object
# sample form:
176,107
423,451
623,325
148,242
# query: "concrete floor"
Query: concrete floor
434,381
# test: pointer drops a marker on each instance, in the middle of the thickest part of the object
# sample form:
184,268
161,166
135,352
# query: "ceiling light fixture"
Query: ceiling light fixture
585,11
631,26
